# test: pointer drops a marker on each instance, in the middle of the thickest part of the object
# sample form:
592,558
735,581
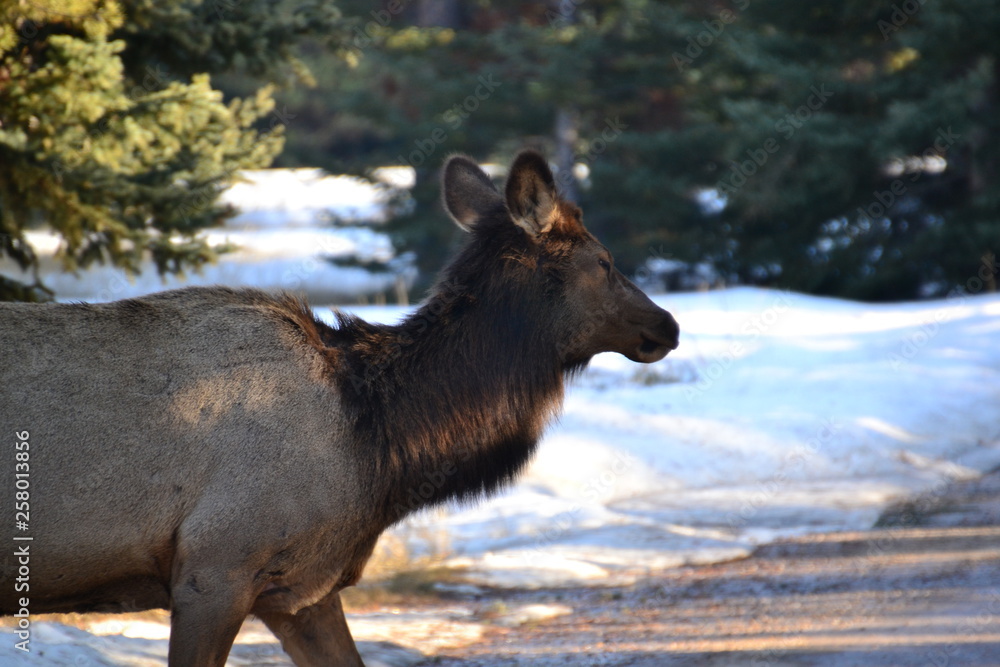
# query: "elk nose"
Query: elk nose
671,330
665,332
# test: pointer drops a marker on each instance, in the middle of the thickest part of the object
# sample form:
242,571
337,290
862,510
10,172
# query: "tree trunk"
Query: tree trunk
567,134
567,127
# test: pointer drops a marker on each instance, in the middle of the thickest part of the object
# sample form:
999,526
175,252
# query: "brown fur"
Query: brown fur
222,452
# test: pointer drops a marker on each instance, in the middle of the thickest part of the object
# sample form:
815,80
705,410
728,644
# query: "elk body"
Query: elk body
221,452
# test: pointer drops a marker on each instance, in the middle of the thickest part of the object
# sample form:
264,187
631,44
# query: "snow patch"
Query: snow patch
792,414
297,230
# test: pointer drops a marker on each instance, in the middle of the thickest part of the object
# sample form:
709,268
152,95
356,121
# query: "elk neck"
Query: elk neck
451,402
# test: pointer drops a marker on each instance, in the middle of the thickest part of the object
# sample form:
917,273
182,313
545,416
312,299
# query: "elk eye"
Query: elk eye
604,264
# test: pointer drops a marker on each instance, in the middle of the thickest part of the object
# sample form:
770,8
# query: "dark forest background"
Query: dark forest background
841,148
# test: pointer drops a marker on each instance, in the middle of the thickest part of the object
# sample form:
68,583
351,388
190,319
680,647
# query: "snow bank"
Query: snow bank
284,198
293,226
780,414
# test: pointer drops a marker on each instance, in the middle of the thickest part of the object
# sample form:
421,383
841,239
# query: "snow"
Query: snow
296,197
780,414
297,260
291,226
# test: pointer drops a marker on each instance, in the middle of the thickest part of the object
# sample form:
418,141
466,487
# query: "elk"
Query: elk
220,452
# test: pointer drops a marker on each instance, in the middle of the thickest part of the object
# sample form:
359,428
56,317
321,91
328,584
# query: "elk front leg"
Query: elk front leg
207,611
316,636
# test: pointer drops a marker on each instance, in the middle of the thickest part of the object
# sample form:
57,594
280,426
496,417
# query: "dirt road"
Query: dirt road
921,589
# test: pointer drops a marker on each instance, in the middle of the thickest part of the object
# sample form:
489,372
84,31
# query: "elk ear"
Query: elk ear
531,194
467,192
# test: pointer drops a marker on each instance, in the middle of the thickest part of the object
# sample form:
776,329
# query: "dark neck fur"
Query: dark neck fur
451,402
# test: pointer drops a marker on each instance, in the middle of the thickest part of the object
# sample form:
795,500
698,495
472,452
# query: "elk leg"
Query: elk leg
316,636
205,617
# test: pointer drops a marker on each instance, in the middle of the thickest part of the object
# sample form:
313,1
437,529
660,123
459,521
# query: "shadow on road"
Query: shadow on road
922,588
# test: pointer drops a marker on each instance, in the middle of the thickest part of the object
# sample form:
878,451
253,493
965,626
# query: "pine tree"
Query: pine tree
799,114
856,144
112,134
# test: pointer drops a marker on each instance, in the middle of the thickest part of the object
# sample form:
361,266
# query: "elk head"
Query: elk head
562,270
